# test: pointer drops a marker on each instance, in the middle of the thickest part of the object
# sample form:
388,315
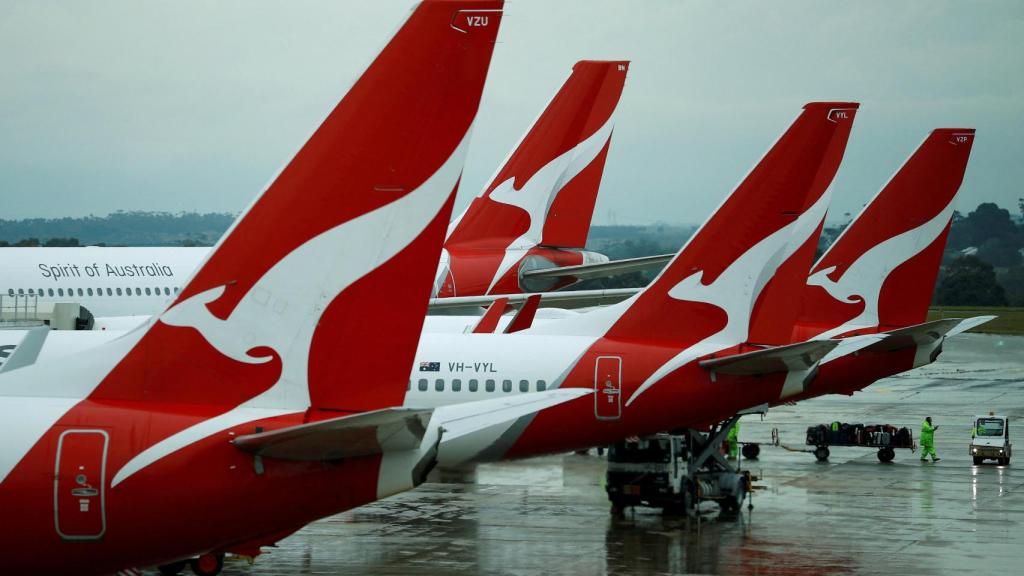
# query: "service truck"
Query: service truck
990,439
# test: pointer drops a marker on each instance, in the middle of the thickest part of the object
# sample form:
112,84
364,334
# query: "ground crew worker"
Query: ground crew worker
928,440
974,428
734,441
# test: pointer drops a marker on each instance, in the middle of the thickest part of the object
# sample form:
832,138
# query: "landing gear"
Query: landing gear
173,568
209,564
821,453
885,455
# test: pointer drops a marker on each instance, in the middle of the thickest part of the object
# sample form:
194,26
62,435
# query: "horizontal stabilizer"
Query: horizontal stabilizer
568,300
968,323
926,333
852,344
792,357
600,269
353,436
463,419
28,349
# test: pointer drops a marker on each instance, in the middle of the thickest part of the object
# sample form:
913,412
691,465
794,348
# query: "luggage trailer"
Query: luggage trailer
885,437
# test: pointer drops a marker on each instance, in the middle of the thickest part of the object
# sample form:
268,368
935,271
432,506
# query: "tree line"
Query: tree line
982,264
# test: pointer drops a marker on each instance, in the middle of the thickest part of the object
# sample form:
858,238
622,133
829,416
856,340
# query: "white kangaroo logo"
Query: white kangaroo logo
282,309
863,280
539,192
737,288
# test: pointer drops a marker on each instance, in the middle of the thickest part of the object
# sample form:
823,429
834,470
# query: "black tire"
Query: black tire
1003,461
209,564
821,453
751,451
978,460
729,505
173,568
885,455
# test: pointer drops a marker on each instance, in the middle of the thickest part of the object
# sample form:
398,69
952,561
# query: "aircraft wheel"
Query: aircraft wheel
208,564
821,453
173,568
751,451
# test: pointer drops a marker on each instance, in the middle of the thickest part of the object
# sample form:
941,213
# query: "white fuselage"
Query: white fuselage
106,281
110,282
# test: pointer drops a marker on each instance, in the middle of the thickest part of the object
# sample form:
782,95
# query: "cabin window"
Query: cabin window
167,291
80,292
409,385
456,385
49,291
138,291
175,289
110,292
541,385
90,291
21,291
119,291
31,291
60,291
423,384
147,291
10,291
473,385
506,385
524,385
489,385
439,385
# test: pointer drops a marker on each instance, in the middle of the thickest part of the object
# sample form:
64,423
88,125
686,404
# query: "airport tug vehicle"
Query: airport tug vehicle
990,439
676,471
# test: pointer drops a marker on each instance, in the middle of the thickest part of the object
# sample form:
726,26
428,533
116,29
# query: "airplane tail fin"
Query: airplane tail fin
544,192
880,272
712,285
323,281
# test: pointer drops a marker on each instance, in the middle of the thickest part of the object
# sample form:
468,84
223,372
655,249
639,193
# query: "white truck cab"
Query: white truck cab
990,439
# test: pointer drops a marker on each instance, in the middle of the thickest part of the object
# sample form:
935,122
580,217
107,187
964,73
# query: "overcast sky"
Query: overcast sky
194,105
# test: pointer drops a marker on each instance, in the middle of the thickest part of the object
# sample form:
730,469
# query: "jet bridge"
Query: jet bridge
25,311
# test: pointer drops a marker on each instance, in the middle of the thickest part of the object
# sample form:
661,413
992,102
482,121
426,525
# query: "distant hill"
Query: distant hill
123,229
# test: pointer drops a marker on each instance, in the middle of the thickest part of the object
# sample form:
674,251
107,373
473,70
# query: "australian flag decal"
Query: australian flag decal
430,366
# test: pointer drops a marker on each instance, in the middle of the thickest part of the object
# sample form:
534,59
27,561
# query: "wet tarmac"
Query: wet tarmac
852,515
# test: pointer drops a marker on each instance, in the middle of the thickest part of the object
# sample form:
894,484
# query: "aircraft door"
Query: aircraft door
78,487
608,388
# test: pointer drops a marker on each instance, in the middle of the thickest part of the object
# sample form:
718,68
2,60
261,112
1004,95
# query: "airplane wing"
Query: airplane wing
568,300
800,356
600,269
